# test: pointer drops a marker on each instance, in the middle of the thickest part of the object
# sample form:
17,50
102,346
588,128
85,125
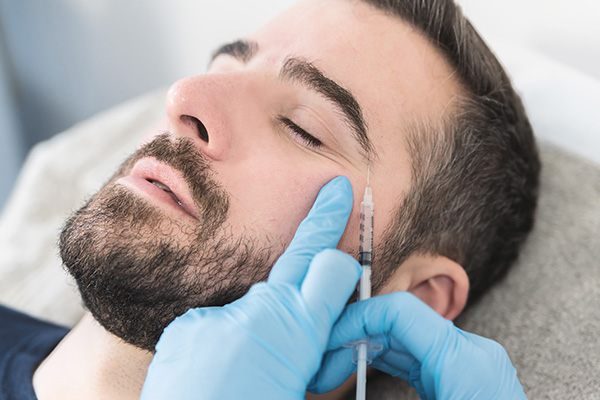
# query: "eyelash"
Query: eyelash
306,137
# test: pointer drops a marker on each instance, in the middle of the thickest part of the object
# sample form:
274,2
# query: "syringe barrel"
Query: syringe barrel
366,244
366,229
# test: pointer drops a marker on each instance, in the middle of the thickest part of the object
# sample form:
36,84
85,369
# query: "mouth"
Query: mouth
162,184
164,187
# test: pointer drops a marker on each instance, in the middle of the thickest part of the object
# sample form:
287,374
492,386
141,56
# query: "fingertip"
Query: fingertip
335,264
342,183
339,191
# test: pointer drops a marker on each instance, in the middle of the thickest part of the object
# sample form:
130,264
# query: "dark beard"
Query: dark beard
134,276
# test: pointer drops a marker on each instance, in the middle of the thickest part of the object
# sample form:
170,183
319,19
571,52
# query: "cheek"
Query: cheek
349,241
270,196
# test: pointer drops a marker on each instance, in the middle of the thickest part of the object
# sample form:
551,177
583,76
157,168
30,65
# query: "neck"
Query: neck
91,363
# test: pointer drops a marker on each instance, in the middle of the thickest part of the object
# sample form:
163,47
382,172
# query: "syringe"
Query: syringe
363,348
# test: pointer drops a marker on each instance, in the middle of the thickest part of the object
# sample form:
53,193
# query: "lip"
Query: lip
149,169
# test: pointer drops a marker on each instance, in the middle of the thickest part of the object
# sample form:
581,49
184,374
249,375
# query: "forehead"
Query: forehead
394,72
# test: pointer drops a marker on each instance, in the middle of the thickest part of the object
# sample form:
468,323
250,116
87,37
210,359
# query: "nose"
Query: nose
196,108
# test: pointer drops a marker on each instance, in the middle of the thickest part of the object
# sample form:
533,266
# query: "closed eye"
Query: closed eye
308,139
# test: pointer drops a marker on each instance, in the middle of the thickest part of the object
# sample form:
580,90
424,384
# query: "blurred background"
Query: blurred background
63,61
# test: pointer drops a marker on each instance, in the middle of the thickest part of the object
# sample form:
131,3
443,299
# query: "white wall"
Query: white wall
11,148
551,48
567,31
197,27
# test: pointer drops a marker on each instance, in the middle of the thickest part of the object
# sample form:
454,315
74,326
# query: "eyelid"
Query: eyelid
306,137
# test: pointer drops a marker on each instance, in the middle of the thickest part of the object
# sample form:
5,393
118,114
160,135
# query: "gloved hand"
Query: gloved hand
269,343
438,359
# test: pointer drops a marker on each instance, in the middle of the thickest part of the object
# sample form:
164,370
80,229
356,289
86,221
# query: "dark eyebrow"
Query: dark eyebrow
297,69
243,50
304,72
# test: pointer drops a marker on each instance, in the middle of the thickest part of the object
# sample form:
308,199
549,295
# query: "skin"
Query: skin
237,103
395,75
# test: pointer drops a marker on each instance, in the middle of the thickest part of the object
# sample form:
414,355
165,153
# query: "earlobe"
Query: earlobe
440,282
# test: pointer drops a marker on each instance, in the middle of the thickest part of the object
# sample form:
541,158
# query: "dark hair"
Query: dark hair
475,174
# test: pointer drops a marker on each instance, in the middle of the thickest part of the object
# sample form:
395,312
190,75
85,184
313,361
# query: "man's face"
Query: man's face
324,90
272,172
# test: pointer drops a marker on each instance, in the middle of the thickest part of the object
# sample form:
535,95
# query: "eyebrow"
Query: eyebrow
243,50
296,69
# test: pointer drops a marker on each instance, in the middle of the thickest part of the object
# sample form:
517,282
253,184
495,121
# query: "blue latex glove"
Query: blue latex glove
438,359
270,343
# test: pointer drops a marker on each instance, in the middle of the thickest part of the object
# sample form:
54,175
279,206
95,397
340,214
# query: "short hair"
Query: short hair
475,173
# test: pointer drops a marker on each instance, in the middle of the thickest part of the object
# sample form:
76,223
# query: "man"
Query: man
406,90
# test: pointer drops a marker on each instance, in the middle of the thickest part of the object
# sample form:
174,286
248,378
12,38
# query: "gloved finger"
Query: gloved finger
321,229
407,322
329,282
395,363
336,368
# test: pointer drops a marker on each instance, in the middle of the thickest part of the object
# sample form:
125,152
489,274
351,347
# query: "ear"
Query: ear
440,282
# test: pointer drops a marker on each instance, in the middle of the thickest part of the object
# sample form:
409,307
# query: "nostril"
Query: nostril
202,132
200,128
